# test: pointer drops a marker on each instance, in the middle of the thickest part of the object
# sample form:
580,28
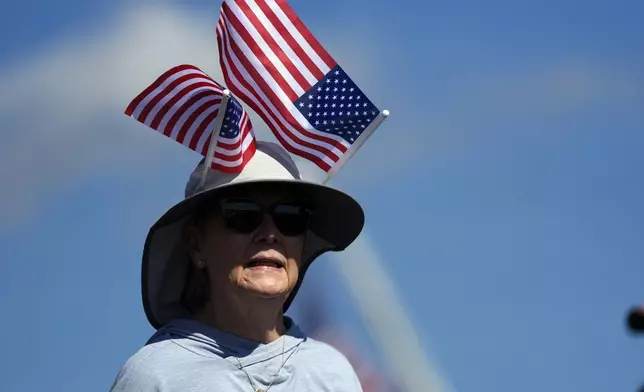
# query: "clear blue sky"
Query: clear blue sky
504,193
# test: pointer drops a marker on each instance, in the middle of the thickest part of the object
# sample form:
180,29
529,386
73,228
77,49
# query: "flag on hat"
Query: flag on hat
183,104
273,62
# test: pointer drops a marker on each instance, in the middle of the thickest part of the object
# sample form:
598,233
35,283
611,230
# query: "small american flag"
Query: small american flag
274,63
183,103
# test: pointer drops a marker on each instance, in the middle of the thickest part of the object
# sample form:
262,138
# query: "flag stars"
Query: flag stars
335,105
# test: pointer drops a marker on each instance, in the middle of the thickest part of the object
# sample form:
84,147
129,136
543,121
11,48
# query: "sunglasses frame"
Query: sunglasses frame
267,210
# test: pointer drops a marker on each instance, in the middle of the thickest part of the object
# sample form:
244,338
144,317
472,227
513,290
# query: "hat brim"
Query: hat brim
336,222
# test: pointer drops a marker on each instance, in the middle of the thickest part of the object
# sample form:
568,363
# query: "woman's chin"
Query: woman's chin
268,287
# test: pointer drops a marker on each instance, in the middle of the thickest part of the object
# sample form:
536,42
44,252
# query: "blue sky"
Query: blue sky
503,195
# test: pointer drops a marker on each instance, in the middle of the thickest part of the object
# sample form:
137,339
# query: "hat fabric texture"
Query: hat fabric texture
336,221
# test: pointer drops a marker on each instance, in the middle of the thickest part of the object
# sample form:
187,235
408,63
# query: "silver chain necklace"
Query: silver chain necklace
250,380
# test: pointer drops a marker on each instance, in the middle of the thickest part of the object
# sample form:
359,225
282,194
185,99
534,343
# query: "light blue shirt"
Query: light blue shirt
187,356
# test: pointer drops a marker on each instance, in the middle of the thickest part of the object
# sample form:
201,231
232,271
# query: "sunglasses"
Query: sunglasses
246,215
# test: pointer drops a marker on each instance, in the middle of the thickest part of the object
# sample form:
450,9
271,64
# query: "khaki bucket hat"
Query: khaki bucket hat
337,220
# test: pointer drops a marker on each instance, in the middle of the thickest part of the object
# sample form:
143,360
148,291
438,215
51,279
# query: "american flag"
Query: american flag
274,63
183,103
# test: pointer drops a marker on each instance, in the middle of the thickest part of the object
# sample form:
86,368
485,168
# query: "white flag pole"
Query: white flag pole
379,305
386,320
382,116
219,120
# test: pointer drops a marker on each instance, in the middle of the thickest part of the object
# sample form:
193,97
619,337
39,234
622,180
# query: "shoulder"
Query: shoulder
324,350
329,362
145,369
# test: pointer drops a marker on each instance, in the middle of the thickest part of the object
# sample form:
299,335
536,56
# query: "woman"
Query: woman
220,269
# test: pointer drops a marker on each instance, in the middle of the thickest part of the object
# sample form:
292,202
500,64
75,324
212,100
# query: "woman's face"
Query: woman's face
245,251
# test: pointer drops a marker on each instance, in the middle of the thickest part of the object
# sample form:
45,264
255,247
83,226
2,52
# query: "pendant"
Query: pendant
259,390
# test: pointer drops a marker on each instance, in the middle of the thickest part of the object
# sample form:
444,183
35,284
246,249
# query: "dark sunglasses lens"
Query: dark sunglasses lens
242,216
291,219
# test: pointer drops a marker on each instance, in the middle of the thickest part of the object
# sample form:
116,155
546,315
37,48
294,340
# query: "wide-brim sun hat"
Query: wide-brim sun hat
336,221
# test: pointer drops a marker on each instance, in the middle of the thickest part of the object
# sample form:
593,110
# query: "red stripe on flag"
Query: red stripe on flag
177,97
277,50
308,36
245,128
193,117
231,45
286,35
259,53
262,109
199,88
247,155
162,94
139,98
202,126
266,114
185,107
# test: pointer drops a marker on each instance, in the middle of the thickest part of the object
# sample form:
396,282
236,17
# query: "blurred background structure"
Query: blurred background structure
635,320
503,195
635,323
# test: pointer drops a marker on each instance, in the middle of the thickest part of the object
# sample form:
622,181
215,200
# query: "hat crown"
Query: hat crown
270,162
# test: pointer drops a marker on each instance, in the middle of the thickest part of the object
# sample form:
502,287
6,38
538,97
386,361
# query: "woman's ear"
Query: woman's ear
191,238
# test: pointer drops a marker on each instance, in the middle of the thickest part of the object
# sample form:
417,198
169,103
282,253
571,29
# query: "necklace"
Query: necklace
250,380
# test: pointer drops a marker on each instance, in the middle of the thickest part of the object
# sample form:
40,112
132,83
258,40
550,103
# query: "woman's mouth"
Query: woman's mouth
264,263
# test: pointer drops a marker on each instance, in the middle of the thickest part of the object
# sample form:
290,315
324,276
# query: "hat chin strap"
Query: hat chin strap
314,246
